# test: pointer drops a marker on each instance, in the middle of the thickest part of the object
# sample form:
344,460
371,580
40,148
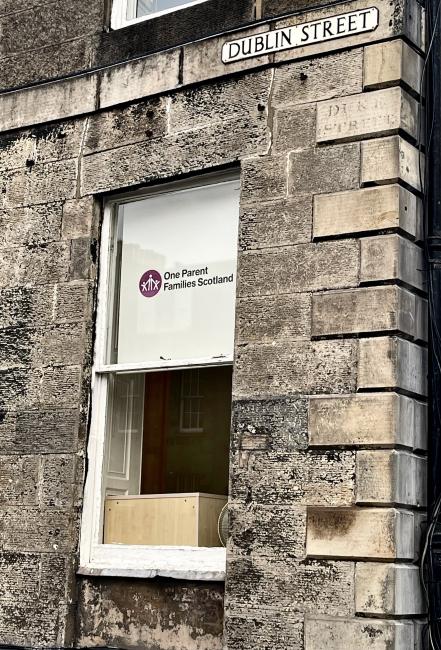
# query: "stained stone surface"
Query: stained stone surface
330,357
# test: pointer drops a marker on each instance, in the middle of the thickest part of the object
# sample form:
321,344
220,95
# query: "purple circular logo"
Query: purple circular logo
150,283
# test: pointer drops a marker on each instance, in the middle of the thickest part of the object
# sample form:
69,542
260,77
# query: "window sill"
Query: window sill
180,563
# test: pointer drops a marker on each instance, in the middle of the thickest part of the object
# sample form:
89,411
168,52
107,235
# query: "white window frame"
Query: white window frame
120,9
119,560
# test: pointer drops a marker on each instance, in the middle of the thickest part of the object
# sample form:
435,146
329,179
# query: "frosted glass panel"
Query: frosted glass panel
145,7
177,275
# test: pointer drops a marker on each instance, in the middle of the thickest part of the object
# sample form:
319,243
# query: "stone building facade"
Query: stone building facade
328,437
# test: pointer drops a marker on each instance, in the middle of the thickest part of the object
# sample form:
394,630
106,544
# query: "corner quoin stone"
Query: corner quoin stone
391,477
364,634
368,209
372,309
377,533
392,363
391,160
392,257
381,112
388,590
373,420
386,64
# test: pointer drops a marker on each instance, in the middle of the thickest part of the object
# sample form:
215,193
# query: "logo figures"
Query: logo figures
150,283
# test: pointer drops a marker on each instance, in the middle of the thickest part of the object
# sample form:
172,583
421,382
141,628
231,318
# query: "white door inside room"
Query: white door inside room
124,447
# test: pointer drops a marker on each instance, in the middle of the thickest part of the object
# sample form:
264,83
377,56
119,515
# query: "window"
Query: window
161,407
127,12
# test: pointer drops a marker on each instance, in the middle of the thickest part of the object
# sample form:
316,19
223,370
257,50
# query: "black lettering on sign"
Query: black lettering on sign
286,37
234,50
341,20
305,33
352,23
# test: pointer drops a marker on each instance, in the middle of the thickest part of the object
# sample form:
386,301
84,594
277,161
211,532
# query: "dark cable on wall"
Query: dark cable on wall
431,186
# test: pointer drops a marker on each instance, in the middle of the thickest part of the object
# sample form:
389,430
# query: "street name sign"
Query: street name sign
287,38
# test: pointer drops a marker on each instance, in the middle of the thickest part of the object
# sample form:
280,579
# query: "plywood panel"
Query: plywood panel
209,510
165,519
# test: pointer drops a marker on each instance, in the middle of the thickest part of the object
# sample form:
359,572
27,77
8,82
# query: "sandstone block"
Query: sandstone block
18,480
264,178
389,160
319,478
381,112
391,477
203,106
391,257
22,388
52,181
386,64
203,60
16,347
73,301
31,529
139,78
20,576
82,259
322,170
306,267
272,424
16,150
33,225
413,21
374,309
48,624
40,432
48,102
365,634
420,628
27,577
290,586
388,590
41,144
65,344
282,370
138,122
369,209
392,363
276,223
250,631
267,530
377,533
294,128
24,305
374,420
318,79
186,152
34,265
80,218
57,387
61,481
267,319
57,576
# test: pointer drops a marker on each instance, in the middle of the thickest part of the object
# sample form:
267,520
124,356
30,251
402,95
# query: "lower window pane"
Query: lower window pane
166,463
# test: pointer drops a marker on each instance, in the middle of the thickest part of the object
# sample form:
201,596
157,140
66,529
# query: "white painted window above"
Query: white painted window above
127,12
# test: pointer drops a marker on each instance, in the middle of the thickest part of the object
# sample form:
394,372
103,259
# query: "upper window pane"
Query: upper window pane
175,277
146,7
